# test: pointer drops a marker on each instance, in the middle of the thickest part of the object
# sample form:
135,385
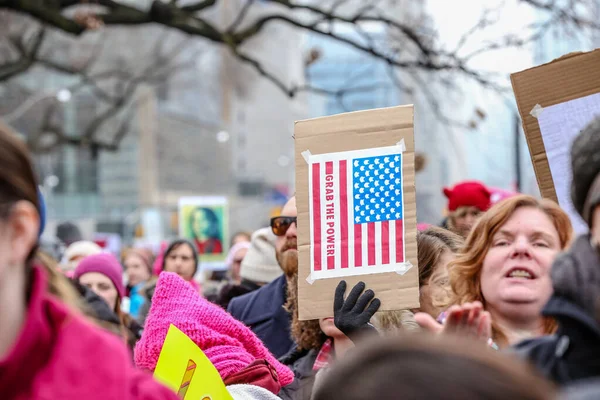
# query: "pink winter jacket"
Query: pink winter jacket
60,356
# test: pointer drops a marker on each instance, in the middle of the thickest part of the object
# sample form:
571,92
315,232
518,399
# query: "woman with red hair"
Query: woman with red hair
504,269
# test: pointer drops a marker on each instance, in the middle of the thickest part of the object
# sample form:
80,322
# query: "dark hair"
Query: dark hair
585,167
17,177
174,245
428,367
213,220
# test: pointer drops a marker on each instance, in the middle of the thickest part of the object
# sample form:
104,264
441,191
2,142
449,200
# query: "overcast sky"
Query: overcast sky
453,18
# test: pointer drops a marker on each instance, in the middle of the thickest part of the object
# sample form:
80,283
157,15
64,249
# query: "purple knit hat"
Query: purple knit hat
105,264
227,343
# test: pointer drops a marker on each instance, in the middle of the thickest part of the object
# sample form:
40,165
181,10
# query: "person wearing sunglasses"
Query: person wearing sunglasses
263,310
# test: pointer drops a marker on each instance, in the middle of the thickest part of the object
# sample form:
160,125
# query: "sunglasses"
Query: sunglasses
280,225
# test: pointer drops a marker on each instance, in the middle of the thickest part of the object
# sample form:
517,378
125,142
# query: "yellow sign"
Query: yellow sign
183,367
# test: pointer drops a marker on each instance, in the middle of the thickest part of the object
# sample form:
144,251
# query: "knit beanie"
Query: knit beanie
468,194
497,195
585,164
145,255
260,263
227,343
232,252
158,261
105,264
83,248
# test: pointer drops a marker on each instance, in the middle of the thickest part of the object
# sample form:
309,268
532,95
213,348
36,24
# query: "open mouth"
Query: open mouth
521,273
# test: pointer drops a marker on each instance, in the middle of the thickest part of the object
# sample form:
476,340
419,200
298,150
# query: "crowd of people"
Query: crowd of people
509,306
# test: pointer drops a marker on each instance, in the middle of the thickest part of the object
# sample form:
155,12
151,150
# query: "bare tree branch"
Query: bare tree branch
565,13
240,17
199,6
411,50
115,102
27,57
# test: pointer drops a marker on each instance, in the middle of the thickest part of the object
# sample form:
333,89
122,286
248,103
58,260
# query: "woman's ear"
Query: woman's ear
24,226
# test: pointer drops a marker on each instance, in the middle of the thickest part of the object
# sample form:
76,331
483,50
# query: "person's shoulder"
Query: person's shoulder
238,305
538,350
264,292
80,343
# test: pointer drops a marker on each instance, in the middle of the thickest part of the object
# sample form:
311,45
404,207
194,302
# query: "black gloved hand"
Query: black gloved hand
352,316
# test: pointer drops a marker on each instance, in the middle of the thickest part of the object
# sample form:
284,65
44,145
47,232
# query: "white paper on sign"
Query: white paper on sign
560,124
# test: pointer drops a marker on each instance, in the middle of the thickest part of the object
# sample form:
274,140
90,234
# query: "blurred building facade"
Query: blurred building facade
217,130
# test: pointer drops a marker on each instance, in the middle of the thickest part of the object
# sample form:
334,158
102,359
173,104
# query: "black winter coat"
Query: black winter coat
573,353
262,311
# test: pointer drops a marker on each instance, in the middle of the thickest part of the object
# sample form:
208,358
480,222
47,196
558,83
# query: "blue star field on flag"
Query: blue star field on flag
377,188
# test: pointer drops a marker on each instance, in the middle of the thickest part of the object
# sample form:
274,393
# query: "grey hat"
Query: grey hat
260,263
585,165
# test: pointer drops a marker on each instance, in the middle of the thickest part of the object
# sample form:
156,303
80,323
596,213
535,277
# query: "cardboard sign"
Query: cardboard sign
183,367
556,101
355,196
204,221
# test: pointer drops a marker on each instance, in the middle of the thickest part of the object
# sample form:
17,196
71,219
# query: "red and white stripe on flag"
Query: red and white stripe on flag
356,217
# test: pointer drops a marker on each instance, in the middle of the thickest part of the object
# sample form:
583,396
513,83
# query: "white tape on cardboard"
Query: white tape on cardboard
404,268
401,145
536,111
306,155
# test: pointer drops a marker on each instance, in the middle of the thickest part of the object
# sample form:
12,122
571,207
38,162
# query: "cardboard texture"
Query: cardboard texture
569,77
346,132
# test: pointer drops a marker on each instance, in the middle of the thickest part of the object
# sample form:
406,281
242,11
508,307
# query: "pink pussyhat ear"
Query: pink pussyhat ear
447,192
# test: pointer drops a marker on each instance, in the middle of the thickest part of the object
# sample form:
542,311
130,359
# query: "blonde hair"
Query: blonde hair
58,284
432,244
465,271
390,322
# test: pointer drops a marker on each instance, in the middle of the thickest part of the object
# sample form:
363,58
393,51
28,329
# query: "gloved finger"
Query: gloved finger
353,296
372,309
338,300
363,301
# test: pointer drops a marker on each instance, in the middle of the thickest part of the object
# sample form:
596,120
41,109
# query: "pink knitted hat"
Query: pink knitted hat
229,344
105,264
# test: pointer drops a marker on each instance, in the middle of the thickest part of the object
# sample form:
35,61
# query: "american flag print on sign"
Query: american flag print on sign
356,213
